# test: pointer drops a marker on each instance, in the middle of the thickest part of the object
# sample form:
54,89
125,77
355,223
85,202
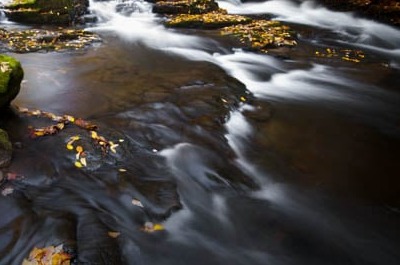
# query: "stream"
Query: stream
245,159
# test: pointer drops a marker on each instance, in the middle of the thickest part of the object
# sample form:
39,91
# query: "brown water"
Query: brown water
299,167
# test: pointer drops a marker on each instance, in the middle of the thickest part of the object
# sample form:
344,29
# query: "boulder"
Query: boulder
213,20
11,75
185,7
386,11
5,149
57,12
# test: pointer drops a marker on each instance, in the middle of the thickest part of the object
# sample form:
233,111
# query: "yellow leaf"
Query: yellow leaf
79,149
93,134
70,147
158,227
78,164
113,234
39,133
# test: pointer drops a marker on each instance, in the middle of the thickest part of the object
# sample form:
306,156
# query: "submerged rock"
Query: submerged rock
11,75
5,149
57,12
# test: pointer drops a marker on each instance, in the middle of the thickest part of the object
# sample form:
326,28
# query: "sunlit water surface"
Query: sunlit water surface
244,158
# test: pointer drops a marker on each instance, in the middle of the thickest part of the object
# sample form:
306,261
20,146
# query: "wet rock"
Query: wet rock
212,20
261,35
5,149
57,12
33,40
261,112
185,7
11,75
382,10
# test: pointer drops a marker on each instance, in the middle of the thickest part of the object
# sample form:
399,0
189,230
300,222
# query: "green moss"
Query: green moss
11,75
5,143
7,64
17,4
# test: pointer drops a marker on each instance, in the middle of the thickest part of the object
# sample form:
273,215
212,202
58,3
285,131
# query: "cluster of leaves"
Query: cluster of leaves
209,20
260,35
349,55
33,40
62,122
48,256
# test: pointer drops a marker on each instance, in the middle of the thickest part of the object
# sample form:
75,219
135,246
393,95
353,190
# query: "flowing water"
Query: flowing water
285,158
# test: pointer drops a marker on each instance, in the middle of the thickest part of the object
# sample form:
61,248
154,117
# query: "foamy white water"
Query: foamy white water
365,33
139,26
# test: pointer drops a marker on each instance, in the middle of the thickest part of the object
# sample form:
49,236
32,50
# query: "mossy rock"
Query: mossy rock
33,40
213,20
185,7
11,75
5,149
262,35
57,12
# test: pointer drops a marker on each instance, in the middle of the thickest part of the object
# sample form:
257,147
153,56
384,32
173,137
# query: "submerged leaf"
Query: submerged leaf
150,227
48,256
138,203
113,234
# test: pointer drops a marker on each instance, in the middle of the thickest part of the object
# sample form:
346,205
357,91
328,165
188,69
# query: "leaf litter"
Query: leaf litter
66,120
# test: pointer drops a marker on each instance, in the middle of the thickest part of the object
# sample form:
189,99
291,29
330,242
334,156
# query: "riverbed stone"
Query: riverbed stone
5,149
11,75
57,12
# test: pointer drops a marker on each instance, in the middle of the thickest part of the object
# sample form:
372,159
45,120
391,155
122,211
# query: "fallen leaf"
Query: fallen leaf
79,149
78,164
83,161
113,234
138,203
150,227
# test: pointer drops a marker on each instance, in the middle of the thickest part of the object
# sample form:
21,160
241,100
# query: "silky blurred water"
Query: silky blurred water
244,158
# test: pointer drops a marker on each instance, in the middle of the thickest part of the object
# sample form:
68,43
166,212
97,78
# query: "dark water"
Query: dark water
244,158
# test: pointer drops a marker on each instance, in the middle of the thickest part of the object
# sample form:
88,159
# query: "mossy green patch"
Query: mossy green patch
11,75
7,65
